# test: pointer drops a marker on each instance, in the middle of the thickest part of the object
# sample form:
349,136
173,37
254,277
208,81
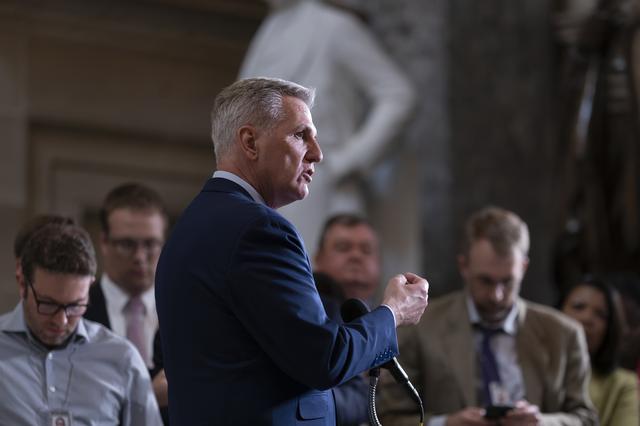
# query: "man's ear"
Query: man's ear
248,136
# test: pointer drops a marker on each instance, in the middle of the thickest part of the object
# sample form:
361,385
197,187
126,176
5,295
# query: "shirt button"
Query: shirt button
50,356
52,388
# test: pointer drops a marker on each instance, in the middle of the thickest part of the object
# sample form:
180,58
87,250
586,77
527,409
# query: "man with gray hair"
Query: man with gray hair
484,356
366,101
55,366
245,337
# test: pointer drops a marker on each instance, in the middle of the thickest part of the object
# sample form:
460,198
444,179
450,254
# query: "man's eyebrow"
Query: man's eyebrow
48,299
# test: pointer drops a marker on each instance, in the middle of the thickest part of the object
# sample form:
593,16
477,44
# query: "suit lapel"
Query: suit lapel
530,357
458,341
97,310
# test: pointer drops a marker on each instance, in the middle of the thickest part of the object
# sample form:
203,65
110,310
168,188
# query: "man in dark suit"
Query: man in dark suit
134,221
245,338
347,265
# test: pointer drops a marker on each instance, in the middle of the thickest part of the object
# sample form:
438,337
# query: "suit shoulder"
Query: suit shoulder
443,305
437,315
266,216
547,316
627,378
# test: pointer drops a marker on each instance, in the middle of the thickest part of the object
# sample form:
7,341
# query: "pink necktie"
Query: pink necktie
134,312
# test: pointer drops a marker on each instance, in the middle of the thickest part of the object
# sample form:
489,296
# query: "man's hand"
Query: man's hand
525,414
161,388
470,416
407,295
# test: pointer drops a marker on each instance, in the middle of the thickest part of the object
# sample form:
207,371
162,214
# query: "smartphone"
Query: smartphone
497,411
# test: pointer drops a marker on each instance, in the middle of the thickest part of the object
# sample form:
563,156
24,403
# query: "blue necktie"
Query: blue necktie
488,364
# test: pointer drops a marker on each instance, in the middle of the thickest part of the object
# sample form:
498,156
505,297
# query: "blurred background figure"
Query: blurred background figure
485,345
347,265
363,99
30,228
134,222
613,390
630,348
349,253
85,371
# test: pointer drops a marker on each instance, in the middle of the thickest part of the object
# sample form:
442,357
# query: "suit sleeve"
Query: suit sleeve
577,409
271,291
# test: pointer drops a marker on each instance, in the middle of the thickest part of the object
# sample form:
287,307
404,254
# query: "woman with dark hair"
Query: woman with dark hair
613,390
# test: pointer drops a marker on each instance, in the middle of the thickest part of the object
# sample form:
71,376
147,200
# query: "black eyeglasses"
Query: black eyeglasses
52,308
129,246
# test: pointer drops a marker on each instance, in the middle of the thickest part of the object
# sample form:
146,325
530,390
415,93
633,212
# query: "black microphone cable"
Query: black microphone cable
355,308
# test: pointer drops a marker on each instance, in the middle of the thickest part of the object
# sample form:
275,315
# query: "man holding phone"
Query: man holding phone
484,356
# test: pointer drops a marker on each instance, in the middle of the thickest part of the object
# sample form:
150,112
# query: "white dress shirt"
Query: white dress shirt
116,300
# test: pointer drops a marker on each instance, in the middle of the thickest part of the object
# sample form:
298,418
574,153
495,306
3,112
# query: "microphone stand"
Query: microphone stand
351,310
374,376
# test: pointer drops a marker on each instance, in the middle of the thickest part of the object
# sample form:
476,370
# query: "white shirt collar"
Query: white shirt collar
243,183
118,298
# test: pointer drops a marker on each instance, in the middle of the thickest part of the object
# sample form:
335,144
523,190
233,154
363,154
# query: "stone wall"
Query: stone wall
95,93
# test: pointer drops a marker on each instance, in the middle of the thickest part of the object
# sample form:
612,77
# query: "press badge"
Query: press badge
60,418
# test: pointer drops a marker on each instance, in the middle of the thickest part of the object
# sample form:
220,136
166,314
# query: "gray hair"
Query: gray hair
255,101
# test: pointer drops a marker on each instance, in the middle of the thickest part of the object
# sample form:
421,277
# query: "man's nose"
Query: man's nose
497,294
585,317
314,154
356,253
60,318
141,253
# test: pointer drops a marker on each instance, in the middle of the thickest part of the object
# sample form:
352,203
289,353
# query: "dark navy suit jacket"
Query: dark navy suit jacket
245,338
352,396
97,310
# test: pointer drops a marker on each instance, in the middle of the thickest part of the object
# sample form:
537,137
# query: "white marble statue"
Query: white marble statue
362,99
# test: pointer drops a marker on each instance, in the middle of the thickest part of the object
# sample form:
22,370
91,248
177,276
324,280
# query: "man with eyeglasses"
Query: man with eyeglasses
134,221
55,367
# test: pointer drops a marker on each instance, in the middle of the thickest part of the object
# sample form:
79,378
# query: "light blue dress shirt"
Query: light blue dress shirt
98,378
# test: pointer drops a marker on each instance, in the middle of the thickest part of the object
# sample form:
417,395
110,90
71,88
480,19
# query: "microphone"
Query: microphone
355,308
